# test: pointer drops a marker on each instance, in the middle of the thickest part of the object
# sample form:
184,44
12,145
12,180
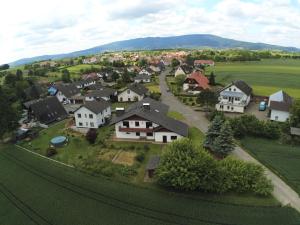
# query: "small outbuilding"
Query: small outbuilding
152,165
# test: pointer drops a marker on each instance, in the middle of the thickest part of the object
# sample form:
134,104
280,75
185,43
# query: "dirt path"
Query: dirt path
282,192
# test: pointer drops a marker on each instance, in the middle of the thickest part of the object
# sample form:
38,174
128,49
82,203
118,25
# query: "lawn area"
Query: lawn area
153,88
77,68
34,190
176,115
266,76
281,158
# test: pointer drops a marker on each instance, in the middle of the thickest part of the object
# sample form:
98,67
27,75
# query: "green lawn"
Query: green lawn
153,88
266,76
176,115
281,158
34,190
77,68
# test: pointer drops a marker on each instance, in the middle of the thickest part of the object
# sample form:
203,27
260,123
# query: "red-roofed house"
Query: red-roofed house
204,63
195,83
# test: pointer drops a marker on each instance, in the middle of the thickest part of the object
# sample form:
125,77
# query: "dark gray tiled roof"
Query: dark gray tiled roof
285,105
243,86
96,106
101,92
48,110
138,88
68,90
142,77
155,105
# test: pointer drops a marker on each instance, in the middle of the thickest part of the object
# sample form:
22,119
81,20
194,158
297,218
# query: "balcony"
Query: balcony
135,129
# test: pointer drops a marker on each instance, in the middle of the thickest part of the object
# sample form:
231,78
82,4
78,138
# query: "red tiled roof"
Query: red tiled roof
201,80
202,62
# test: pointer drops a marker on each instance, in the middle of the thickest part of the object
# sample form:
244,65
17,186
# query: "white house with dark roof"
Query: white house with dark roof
104,93
148,120
92,114
279,105
66,91
144,71
235,97
85,83
142,78
133,92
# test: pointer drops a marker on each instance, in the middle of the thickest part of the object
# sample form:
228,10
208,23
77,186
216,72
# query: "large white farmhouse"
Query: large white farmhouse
92,114
134,92
235,97
279,105
148,120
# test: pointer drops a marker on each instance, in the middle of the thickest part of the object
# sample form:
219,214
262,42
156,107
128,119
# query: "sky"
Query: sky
39,27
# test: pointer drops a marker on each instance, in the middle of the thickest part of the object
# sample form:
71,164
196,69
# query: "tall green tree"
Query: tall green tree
295,114
224,143
207,98
213,132
175,63
65,76
212,79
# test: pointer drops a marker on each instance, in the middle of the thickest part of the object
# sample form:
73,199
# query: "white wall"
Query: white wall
129,96
280,116
61,97
232,108
159,136
144,81
98,120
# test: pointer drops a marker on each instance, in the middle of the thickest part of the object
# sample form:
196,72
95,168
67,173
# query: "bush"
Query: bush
91,136
51,152
127,171
140,157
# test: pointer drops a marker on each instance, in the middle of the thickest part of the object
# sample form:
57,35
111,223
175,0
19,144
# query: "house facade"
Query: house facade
234,97
142,78
65,92
147,123
199,63
279,105
179,71
92,114
104,93
195,83
134,92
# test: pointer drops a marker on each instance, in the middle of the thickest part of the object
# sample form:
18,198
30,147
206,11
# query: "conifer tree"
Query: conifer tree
224,143
213,131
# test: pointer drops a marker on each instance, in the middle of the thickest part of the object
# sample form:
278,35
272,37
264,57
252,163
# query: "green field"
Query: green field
36,191
281,158
265,77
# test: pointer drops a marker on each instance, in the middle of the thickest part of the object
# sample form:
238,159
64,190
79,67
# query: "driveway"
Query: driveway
282,192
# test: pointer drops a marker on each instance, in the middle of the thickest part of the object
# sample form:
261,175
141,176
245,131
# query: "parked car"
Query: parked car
262,106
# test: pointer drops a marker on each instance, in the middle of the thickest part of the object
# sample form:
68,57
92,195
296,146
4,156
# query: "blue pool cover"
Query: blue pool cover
58,140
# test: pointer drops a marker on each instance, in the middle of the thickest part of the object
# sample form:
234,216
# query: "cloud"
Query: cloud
59,26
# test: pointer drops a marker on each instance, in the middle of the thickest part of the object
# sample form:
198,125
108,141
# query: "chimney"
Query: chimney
146,106
120,111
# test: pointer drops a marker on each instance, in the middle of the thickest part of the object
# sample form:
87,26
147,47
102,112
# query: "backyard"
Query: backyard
283,159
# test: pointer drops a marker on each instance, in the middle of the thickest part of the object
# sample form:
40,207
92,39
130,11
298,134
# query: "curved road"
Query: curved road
282,192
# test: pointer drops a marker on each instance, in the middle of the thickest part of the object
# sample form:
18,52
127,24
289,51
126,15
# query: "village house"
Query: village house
64,92
142,78
145,72
92,114
84,83
155,69
235,97
46,110
147,120
133,92
279,105
195,83
201,63
104,93
90,60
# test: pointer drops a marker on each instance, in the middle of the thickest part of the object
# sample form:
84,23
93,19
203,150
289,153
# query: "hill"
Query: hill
152,43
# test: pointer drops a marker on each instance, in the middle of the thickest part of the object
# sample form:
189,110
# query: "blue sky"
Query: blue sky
58,26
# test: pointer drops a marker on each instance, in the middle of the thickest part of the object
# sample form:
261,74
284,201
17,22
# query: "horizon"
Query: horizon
86,24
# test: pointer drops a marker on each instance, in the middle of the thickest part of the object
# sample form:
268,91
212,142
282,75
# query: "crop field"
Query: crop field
36,191
281,158
265,77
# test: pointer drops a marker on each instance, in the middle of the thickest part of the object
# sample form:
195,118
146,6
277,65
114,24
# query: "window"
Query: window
234,89
85,115
92,124
229,89
276,117
137,134
149,134
91,116
129,99
80,124
173,138
237,99
148,124
125,123
121,99
137,123
128,91
232,108
228,107
86,124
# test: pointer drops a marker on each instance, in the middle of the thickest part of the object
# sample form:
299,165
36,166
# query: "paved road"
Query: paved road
282,192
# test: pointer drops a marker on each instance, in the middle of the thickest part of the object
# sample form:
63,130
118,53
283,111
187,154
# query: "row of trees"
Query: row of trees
184,166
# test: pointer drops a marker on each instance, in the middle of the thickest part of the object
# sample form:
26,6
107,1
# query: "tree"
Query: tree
19,75
207,98
295,114
184,166
65,76
224,143
4,67
91,136
115,76
126,78
211,79
179,80
9,115
175,63
213,131
142,62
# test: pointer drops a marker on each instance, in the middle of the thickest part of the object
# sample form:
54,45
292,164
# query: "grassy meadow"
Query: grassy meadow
265,77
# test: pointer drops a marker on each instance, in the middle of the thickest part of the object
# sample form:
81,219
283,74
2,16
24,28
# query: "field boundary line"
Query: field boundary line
37,154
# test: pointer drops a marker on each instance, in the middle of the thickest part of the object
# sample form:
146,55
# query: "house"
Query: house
142,78
144,71
89,60
180,71
65,92
93,76
279,105
84,83
104,93
235,97
147,122
133,92
152,165
92,114
201,63
195,83
154,68
46,110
